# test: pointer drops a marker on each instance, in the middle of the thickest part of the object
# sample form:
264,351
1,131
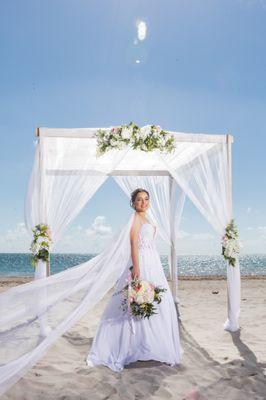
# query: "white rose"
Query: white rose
35,248
113,142
126,133
229,250
143,146
237,247
121,145
145,131
40,239
137,135
161,141
167,137
107,135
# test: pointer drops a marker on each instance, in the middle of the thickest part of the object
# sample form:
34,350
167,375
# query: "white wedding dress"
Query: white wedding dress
121,339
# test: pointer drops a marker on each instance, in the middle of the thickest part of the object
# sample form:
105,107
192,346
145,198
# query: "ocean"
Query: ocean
18,264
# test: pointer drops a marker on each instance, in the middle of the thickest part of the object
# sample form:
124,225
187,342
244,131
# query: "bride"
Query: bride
122,339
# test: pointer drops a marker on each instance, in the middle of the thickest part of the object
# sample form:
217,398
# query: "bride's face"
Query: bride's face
141,202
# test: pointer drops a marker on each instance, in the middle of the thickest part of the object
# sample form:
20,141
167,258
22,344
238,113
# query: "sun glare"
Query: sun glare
142,29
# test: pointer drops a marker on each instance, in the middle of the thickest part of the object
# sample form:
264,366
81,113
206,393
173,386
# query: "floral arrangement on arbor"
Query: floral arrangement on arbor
146,138
40,246
230,243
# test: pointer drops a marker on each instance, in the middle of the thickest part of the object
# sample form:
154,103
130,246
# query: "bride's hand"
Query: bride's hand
135,273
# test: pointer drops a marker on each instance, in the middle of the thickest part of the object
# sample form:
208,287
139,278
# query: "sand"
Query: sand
216,364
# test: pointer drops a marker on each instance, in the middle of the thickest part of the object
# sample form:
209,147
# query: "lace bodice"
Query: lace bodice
146,239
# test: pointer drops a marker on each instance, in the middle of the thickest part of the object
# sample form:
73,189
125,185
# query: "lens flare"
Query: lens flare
142,29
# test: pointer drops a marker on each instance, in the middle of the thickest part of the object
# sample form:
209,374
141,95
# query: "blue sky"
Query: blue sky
73,64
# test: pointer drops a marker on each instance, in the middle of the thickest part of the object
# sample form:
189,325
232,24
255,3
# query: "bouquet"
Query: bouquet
139,296
40,246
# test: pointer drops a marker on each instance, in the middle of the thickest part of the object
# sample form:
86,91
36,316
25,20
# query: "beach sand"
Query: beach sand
216,364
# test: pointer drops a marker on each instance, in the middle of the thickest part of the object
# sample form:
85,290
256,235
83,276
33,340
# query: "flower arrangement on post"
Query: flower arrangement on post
147,138
230,243
40,246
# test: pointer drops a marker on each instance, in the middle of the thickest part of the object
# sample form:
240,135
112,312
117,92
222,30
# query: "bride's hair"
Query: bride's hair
134,195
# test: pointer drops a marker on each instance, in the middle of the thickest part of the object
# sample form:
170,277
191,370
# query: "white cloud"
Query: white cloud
193,243
182,234
195,236
254,239
86,240
203,236
15,239
262,232
95,237
99,227
76,239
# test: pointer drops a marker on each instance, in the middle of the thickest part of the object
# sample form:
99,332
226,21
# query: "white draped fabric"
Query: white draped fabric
204,179
69,295
66,174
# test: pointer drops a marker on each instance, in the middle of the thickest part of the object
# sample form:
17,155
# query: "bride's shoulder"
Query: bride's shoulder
136,224
136,220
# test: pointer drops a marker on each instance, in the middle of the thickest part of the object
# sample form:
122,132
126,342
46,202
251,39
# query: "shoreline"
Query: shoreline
20,279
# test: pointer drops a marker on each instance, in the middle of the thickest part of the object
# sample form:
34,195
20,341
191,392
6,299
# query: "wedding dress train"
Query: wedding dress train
121,339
